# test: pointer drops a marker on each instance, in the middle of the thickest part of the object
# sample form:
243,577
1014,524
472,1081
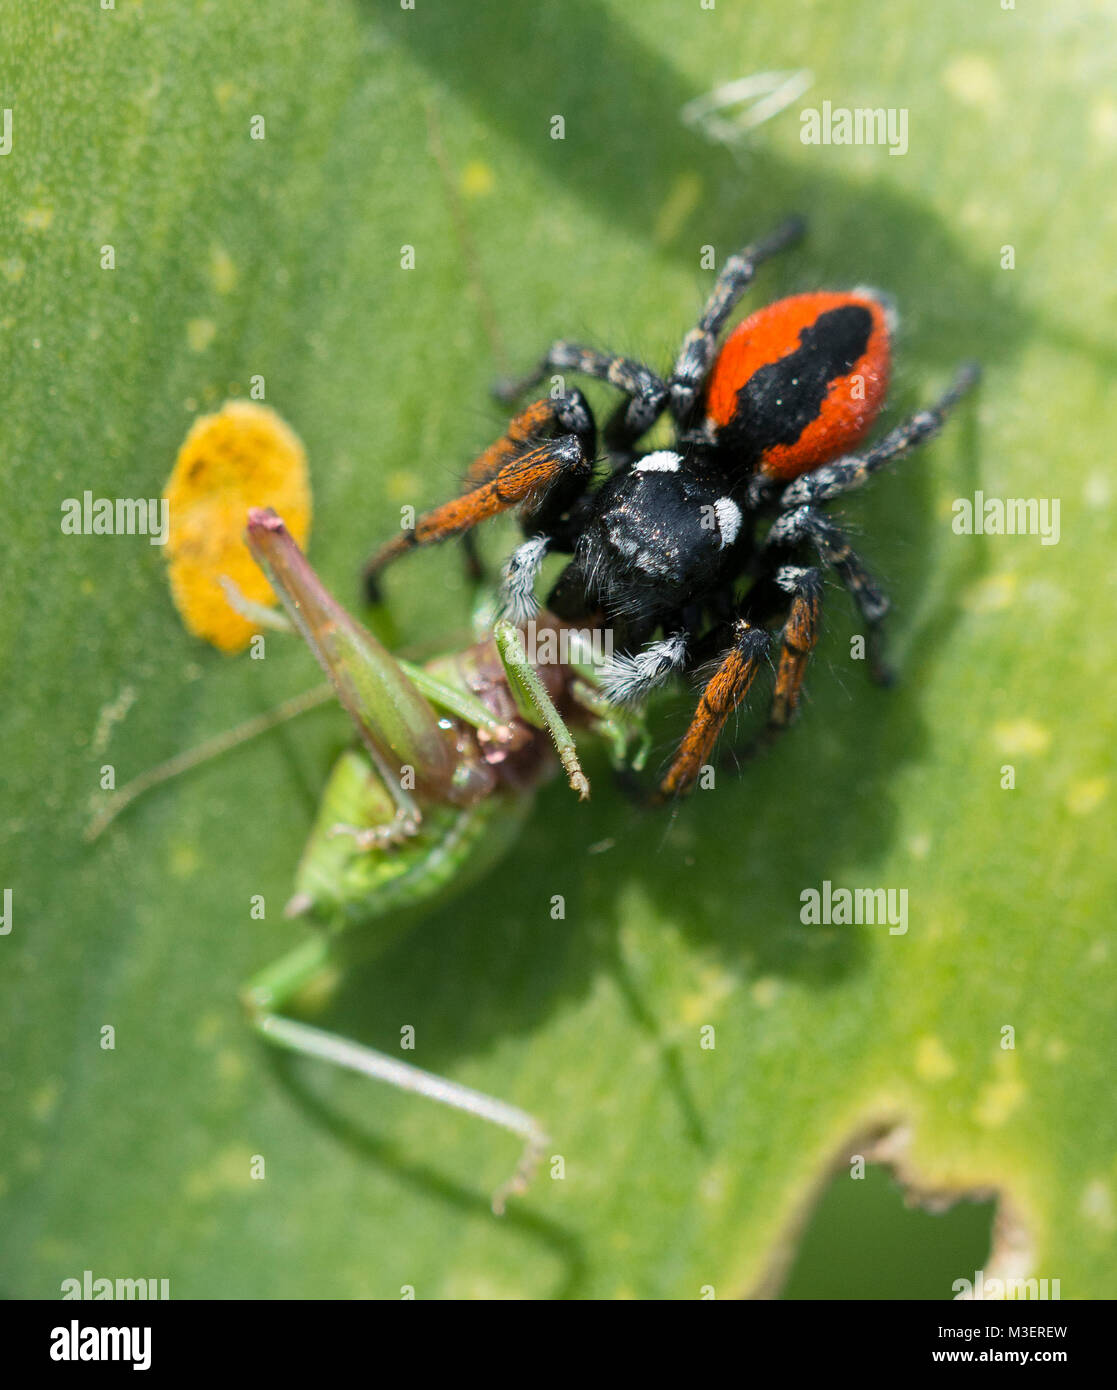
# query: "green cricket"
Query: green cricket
450,754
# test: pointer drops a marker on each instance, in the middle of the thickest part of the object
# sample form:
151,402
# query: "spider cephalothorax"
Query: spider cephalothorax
696,552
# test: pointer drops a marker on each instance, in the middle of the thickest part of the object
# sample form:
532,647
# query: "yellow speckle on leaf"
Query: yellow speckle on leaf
932,1061
1022,736
200,333
999,1099
712,1184
1097,491
45,1099
222,270
682,198
700,1005
1103,121
243,456
37,219
230,1066
1096,1206
1085,796
477,179
992,594
972,80
12,269
766,991
470,1287
944,506
184,861
402,485
230,1171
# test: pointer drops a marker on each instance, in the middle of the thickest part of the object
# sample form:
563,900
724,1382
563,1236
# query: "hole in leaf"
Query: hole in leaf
862,1241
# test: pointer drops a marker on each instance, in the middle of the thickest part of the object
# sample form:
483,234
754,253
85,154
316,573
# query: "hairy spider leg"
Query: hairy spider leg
646,393
797,641
847,474
700,346
644,390
725,690
569,414
523,478
834,550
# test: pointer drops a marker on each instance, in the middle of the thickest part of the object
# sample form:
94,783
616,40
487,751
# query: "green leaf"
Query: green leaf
684,1167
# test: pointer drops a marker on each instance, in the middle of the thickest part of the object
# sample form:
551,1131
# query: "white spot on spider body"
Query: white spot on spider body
729,520
662,461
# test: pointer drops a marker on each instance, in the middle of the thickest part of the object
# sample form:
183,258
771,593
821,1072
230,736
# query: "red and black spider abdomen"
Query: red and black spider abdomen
801,381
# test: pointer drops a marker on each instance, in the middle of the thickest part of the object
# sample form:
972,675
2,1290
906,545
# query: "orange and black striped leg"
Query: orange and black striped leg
522,479
807,523
700,344
646,392
728,686
797,641
800,634
568,414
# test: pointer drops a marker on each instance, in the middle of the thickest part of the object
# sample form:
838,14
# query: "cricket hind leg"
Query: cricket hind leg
268,994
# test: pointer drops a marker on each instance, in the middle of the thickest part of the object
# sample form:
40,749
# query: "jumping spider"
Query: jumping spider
700,552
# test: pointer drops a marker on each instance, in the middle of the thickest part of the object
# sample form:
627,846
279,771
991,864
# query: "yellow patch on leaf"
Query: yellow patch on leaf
243,456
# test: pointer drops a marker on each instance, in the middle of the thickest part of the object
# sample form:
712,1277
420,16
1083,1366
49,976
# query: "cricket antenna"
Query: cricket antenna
204,753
